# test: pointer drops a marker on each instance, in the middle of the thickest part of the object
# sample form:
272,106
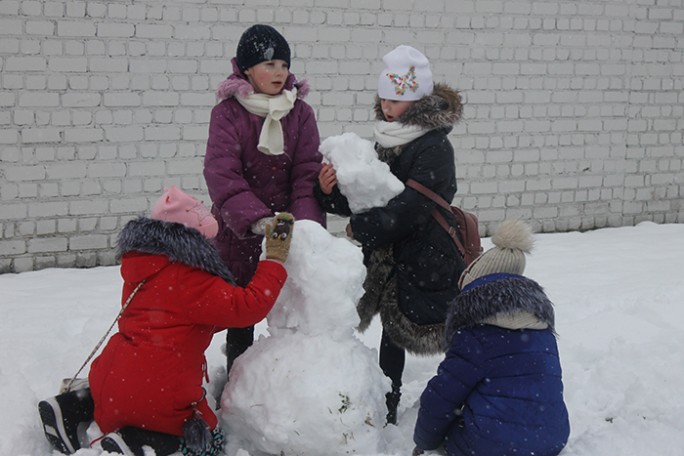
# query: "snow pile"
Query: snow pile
619,314
365,180
311,387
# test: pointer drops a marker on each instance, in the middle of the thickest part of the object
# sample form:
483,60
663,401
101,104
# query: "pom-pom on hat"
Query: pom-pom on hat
261,43
512,240
179,207
407,75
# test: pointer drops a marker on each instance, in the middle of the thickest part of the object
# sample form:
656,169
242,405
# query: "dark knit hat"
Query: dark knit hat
261,43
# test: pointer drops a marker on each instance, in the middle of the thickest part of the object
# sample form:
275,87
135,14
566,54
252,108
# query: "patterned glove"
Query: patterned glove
279,236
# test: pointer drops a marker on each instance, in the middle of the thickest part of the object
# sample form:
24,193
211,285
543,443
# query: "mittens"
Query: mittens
278,237
259,227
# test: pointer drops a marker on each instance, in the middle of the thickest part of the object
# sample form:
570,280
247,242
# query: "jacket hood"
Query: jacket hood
238,84
174,241
494,294
441,109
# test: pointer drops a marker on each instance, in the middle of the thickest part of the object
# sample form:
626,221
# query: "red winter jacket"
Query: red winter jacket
150,373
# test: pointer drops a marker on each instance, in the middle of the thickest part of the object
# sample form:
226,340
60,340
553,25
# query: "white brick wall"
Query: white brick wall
573,120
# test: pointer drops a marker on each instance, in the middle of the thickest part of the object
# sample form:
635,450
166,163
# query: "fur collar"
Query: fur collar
237,84
442,109
175,241
508,294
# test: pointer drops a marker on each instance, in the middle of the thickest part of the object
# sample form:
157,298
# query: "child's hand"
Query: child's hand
279,236
327,178
417,451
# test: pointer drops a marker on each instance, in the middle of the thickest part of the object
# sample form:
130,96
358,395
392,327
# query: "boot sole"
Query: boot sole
53,426
113,443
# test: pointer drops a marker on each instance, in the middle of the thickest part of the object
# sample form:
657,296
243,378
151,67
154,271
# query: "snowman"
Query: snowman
311,386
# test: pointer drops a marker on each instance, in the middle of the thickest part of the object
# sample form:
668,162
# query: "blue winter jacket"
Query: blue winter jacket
499,391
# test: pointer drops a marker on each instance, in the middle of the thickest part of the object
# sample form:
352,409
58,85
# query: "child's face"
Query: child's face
268,77
393,109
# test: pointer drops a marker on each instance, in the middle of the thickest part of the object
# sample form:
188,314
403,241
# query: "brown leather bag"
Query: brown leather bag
465,233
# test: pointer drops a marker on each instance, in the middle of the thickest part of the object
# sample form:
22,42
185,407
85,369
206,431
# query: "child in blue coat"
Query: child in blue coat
499,391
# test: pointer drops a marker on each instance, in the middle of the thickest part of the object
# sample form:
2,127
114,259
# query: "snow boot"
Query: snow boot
392,401
130,441
114,443
62,416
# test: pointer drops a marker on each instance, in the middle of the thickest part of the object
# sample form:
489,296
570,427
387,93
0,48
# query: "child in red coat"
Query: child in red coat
146,385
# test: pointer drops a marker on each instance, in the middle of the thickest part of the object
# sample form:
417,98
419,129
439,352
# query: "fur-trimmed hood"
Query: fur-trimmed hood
441,109
499,294
237,84
175,241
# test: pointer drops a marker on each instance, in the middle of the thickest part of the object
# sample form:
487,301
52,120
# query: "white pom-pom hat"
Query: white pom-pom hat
512,240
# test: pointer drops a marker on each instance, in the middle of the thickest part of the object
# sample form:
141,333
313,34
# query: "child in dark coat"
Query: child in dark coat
499,391
413,265
146,385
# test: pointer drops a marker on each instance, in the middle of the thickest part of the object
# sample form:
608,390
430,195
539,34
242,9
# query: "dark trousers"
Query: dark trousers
392,360
237,341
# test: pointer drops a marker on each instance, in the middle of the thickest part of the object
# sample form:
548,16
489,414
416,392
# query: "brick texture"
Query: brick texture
574,114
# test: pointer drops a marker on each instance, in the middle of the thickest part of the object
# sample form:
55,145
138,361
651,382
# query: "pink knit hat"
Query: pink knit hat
179,207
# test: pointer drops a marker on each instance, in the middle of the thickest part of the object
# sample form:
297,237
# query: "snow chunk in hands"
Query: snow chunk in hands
365,180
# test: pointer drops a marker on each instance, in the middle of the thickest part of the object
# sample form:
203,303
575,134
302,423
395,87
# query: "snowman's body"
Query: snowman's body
311,386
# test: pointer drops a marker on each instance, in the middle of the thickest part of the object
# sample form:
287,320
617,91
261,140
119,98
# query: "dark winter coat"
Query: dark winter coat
413,265
246,185
150,372
499,390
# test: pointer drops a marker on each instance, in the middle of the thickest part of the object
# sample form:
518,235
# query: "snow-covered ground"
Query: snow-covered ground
619,297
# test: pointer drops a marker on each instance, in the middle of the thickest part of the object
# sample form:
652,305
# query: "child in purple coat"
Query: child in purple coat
262,156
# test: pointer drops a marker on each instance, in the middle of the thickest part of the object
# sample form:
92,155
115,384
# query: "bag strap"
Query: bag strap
92,353
414,184
417,186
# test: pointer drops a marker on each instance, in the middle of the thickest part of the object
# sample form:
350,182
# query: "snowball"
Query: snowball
366,181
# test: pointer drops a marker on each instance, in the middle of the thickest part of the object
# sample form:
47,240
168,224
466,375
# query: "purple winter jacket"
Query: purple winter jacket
246,185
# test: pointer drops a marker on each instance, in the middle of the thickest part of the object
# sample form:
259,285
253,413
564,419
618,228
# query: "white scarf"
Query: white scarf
392,134
518,320
273,108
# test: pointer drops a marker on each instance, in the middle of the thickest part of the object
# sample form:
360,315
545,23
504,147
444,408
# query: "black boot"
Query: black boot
392,401
63,415
129,441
